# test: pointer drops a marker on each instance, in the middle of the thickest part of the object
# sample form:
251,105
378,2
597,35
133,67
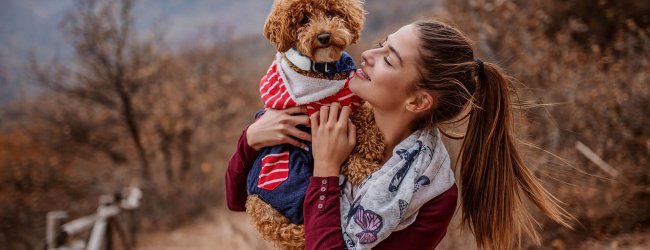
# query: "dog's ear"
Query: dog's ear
278,26
355,16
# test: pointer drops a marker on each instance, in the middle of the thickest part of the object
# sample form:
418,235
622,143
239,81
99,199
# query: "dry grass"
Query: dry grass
217,229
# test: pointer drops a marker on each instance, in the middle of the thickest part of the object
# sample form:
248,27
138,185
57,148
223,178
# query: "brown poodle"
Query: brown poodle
304,24
311,37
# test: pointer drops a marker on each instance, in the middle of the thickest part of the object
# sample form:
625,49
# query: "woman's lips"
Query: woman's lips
361,73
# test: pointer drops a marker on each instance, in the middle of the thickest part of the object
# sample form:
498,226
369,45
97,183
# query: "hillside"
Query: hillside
164,113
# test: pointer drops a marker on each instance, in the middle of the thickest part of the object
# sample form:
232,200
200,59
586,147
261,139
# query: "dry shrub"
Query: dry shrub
75,141
579,81
61,152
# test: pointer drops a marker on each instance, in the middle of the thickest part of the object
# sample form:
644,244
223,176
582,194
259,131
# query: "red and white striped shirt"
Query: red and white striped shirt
276,95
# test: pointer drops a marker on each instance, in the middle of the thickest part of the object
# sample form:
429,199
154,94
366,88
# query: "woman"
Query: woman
422,75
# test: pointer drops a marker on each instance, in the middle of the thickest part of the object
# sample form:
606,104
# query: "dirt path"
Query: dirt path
223,229
220,229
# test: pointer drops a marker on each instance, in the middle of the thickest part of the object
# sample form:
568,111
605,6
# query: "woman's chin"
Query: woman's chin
356,85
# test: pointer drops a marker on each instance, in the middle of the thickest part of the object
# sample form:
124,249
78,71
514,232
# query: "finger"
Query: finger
294,142
352,133
302,135
299,120
334,112
314,120
345,114
296,110
324,112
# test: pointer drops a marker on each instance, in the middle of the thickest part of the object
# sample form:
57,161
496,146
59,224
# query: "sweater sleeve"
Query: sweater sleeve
430,225
323,219
238,167
322,214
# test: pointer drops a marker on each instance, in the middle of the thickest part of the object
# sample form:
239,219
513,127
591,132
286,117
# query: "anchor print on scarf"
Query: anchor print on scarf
409,156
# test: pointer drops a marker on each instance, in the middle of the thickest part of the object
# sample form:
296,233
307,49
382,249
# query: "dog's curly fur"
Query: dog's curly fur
273,226
368,152
296,24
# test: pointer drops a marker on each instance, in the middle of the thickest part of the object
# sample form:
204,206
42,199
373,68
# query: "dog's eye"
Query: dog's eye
330,14
305,19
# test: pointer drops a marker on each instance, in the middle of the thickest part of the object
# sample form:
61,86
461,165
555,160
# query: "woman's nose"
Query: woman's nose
367,56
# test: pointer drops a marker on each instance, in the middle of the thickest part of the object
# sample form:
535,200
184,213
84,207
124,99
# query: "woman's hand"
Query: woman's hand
333,136
277,127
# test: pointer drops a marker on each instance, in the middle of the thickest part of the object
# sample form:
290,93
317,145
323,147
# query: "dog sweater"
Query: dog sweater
280,174
283,88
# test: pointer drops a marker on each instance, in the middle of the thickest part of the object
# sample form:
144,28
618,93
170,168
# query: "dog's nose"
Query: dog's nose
324,38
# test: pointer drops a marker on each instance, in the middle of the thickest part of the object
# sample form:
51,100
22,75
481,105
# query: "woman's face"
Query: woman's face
388,71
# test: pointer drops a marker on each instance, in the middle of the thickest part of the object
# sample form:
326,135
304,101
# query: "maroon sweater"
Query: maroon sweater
322,209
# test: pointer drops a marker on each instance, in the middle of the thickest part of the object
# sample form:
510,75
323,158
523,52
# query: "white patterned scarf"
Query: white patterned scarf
388,200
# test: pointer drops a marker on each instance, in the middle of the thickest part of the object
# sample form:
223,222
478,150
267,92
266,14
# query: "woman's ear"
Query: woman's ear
421,101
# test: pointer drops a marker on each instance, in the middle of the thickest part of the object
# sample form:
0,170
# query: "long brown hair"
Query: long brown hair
493,177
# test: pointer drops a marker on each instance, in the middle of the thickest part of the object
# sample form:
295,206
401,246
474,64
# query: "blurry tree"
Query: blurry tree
201,98
124,96
598,21
111,68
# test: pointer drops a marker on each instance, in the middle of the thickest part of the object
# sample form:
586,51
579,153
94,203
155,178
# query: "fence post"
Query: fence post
131,203
109,234
53,235
99,230
101,224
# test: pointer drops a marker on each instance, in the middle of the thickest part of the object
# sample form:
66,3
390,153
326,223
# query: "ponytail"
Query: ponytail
493,176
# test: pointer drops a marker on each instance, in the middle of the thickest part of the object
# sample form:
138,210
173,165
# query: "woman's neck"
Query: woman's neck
394,126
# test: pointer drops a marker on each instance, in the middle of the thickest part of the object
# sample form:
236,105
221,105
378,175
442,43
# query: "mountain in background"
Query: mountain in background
32,27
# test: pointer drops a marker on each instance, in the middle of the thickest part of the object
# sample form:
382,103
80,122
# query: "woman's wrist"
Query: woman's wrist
325,169
250,135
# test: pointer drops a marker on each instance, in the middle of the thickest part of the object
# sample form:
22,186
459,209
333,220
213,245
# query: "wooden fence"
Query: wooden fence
103,224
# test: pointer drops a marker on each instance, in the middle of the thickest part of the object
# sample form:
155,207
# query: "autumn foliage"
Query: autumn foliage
130,111
126,111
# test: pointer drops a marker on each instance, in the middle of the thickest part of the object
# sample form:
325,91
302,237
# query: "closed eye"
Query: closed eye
381,45
387,62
